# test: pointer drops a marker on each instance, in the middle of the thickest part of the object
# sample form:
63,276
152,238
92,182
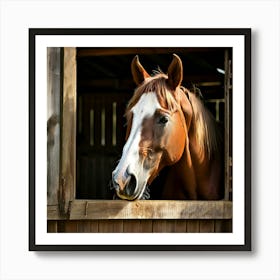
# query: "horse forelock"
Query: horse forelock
156,84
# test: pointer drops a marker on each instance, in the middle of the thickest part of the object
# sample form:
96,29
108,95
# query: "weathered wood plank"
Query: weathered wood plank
112,226
159,226
68,152
83,226
223,225
53,123
94,225
218,225
61,226
71,226
54,213
146,225
180,226
87,226
170,226
67,226
86,52
52,226
105,226
131,226
206,226
166,226
193,226
118,225
227,123
141,226
227,226
154,209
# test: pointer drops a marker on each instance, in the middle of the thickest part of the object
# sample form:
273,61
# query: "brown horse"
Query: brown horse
169,131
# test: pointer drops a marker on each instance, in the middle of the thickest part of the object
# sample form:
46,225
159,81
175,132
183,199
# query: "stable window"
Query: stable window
88,90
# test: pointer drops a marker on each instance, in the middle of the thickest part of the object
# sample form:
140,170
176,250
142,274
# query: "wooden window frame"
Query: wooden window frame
70,208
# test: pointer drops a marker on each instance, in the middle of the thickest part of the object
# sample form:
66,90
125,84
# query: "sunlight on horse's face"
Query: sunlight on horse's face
155,138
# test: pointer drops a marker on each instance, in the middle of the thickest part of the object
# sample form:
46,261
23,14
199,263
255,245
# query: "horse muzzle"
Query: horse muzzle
125,185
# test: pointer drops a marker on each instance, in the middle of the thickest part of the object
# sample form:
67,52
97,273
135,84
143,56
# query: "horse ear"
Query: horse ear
138,72
175,72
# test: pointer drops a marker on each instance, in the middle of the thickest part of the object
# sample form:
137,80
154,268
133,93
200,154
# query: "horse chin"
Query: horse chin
141,193
125,197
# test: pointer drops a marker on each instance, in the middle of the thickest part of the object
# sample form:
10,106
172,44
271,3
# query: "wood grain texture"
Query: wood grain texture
52,226
159,226
180,226
105,226
68,152
140,226
193,226
227,134
89,52
132,226
146,226
71,226
54,213
206,226
161,209
87,226
53,123
83,226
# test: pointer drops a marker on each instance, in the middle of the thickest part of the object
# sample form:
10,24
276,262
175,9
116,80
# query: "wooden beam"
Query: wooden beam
227,78
54,213
89,52
150,209
68,145
53,123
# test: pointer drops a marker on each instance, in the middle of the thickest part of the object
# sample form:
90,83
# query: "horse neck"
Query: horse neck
197,174
181,182
194,176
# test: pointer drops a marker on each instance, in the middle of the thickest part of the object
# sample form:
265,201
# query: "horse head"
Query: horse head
158,119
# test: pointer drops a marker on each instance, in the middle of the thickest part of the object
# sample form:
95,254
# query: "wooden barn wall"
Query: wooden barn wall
143,216
140,226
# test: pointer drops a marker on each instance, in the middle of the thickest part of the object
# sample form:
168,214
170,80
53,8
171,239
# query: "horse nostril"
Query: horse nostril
131,185
115,185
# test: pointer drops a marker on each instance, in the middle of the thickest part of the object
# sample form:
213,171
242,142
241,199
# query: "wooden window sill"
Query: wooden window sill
143,209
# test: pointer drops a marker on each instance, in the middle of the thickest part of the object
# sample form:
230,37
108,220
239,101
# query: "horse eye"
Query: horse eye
163,120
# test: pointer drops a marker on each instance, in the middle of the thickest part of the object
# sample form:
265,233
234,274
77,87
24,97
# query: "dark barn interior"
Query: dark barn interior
105,85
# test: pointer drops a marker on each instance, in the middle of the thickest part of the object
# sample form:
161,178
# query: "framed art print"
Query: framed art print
140,139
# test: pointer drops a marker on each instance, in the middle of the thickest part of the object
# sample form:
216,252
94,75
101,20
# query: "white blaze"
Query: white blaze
144,108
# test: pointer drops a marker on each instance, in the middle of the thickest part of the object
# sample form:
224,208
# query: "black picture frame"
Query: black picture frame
33,245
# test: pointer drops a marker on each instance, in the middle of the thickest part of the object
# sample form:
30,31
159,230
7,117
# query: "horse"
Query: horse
169,132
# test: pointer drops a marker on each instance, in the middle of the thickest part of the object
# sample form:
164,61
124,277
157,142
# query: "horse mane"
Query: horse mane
204,125
207,133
